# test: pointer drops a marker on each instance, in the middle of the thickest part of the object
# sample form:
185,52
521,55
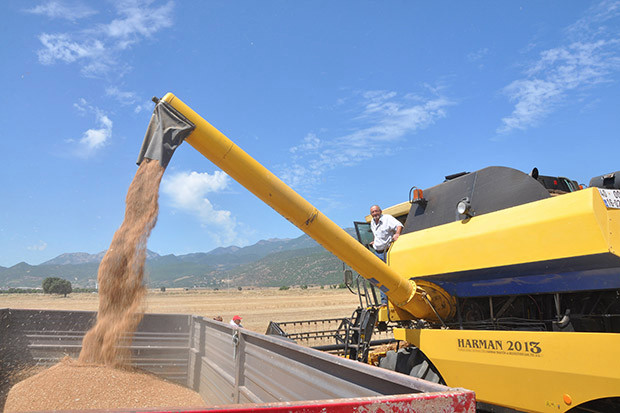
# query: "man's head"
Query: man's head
237,319
375,212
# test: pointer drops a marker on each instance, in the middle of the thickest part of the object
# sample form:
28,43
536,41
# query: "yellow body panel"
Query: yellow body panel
524,370
570,225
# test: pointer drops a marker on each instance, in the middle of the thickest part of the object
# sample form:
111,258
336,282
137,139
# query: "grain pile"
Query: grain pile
72,386
101,378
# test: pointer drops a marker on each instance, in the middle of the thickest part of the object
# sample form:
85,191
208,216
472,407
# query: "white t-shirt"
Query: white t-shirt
384,230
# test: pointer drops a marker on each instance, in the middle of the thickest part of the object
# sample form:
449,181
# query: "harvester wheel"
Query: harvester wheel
413,362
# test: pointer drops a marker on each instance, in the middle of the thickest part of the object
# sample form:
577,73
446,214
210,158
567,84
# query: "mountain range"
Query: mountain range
268,263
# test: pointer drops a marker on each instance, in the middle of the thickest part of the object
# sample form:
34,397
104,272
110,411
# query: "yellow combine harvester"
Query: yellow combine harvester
536,314
498,286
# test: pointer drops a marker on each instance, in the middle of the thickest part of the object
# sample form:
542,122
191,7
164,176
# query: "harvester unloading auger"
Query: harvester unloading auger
524,286
171,121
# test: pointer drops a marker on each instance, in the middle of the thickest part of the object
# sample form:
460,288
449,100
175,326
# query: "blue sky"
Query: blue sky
350,102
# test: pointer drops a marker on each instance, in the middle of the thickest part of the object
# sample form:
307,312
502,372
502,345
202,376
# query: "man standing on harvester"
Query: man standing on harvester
385,229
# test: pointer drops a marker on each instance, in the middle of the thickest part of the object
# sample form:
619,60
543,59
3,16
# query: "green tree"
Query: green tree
55,285
47,283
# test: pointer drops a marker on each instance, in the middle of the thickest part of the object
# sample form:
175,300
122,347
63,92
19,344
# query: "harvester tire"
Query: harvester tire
413,362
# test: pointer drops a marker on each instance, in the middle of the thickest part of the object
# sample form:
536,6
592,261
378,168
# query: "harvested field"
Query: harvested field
257,306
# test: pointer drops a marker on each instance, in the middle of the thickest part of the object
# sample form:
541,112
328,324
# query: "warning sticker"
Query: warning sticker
611,197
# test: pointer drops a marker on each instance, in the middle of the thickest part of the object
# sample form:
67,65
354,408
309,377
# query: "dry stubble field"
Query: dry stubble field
257,307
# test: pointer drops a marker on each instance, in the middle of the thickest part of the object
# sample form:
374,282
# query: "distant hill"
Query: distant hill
76,258
273,262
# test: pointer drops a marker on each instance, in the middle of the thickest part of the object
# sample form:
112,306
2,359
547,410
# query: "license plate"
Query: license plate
611,197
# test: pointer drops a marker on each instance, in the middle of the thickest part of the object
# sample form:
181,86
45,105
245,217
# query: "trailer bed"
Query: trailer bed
233,369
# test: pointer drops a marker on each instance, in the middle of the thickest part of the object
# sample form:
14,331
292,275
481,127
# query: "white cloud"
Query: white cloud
534,99
550,80
93,139
559,72
40,246
62,10
592,24
188,193
477,55
297,175
146,106
97,48
138,20
123,97
383,120
81,105
310,142
62,47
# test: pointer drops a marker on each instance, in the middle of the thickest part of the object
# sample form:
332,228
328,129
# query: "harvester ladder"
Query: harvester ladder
357,333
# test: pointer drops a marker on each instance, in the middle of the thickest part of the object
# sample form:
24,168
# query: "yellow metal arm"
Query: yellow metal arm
270,189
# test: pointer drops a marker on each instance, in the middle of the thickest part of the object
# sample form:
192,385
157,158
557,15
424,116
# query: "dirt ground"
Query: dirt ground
257,306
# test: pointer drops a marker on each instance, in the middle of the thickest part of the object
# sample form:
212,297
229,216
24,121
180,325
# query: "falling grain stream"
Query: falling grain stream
102,378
